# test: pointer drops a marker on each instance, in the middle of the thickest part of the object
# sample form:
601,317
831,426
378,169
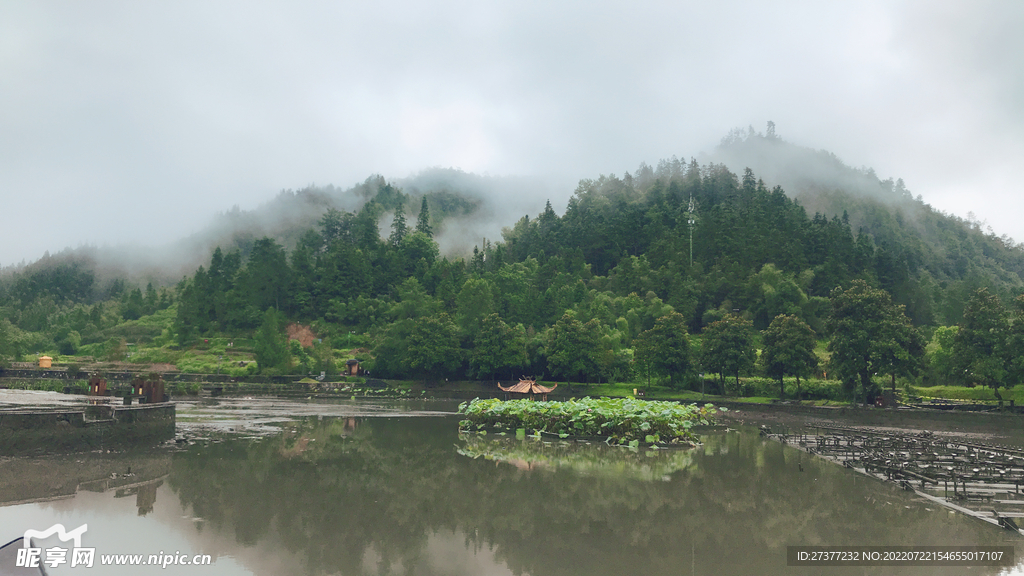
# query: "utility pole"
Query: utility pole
690,217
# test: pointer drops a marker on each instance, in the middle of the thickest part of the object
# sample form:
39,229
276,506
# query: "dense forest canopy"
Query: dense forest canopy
699,241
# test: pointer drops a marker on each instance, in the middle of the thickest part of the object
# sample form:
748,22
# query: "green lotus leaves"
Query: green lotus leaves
623,419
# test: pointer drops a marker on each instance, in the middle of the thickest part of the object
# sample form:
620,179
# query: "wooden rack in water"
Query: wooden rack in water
979,474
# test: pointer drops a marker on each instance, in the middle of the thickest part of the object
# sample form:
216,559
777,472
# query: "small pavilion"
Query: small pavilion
529,387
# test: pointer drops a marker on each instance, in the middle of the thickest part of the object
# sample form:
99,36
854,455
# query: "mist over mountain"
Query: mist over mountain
822,182
466,209
470,210
895,218
463,255
803,172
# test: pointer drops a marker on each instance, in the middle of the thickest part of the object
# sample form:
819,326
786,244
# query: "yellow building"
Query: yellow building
45,361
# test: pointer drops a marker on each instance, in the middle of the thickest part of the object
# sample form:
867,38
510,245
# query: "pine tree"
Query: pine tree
150,299
423,220
398,227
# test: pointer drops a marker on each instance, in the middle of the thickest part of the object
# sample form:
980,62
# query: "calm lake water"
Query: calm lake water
385,488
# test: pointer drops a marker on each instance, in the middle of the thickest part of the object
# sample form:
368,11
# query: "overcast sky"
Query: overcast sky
134,122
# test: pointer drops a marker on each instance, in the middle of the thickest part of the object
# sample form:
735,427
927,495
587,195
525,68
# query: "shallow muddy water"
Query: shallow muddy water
379,487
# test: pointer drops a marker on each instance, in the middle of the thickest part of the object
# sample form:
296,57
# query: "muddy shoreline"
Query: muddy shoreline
997,427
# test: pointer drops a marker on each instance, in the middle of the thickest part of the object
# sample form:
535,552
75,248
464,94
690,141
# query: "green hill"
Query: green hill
701,240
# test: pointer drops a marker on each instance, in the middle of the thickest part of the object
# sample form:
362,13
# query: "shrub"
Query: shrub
163,355
818,390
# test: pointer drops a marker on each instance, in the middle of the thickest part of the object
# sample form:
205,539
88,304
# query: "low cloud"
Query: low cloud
134,125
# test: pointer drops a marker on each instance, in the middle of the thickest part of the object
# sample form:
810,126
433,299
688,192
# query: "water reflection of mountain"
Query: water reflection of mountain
44,478
334,495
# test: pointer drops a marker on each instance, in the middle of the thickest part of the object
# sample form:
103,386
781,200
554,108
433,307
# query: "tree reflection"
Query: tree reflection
357,497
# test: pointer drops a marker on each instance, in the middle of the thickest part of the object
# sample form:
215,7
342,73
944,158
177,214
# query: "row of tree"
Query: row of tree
505,308
868,335
753,250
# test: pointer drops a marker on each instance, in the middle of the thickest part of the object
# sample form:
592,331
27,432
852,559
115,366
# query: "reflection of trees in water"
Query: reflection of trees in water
585,458
145,498
385,486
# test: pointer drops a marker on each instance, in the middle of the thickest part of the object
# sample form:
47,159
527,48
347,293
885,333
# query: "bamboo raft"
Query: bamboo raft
979,479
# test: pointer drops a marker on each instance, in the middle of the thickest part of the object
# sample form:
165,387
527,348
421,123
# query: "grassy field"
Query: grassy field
976,394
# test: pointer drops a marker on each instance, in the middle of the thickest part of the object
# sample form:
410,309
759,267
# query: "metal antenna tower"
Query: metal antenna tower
690,217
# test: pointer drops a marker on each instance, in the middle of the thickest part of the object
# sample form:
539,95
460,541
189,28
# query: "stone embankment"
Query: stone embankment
128,375
179,384
91,427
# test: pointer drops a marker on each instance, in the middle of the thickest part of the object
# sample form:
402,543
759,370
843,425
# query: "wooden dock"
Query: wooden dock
978,479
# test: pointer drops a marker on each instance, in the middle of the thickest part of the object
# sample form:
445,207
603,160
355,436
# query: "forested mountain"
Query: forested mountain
913,240
464,209
698,240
